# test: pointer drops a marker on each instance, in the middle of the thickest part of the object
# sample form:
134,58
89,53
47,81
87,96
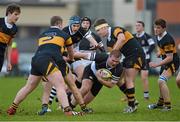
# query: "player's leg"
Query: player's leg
1,62
31,84
90,95
85,88
57,81
164,99
144,78
45,97
130,74
162,81
70,80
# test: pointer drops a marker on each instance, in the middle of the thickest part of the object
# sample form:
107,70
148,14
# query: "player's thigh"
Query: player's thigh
33,81
144,74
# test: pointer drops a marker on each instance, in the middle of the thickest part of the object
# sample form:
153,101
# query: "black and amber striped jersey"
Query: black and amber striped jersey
6,34
76,37
130,43
166,44
52,42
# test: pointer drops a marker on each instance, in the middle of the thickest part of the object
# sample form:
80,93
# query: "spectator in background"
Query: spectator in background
14,60
148,45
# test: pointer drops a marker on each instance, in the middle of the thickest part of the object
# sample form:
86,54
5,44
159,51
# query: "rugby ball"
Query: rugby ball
105,74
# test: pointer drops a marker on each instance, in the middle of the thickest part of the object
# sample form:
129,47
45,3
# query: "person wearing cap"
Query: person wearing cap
76,32
8,30
122,40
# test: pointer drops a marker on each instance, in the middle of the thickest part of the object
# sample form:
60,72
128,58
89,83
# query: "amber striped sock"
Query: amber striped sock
131,96
167,104
14,106
160,102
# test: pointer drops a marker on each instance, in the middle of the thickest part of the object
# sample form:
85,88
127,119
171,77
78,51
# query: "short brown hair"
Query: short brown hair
115,53
55,20
12,8
160,22
141,22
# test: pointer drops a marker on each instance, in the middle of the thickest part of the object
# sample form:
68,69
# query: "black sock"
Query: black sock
123,88
131,96
160,102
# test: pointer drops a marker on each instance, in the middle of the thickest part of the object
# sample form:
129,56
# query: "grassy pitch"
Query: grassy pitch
107,105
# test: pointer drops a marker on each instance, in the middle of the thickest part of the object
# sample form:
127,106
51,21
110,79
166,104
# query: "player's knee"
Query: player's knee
162,79
84,90
144,79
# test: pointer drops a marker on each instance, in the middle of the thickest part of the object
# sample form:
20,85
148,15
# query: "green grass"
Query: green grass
107,106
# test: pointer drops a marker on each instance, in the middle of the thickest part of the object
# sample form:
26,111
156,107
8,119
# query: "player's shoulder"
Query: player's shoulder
168,39
66,29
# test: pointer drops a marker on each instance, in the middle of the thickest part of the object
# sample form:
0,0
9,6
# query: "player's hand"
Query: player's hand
158,55
65,58
94,47
98,74
152,65
9,67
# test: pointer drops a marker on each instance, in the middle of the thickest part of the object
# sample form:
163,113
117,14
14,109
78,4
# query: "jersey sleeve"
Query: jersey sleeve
117,73
117,31
169,46
68,41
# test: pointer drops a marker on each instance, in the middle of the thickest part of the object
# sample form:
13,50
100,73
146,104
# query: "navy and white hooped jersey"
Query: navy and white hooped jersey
146,41
100,61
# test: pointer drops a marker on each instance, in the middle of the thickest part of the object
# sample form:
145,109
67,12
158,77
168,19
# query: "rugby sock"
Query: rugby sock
167,104
160,102
123,88
52,95
83,106
67,109
78,84
146,94
14,106
131,97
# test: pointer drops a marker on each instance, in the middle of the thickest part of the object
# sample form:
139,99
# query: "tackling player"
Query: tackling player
122,40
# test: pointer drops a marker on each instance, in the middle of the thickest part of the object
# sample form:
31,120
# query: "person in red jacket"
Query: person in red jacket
14,60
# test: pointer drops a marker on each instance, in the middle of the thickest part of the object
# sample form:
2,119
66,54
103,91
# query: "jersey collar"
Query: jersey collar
141,34
109,34
56,27
7,24
164,33
71,32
